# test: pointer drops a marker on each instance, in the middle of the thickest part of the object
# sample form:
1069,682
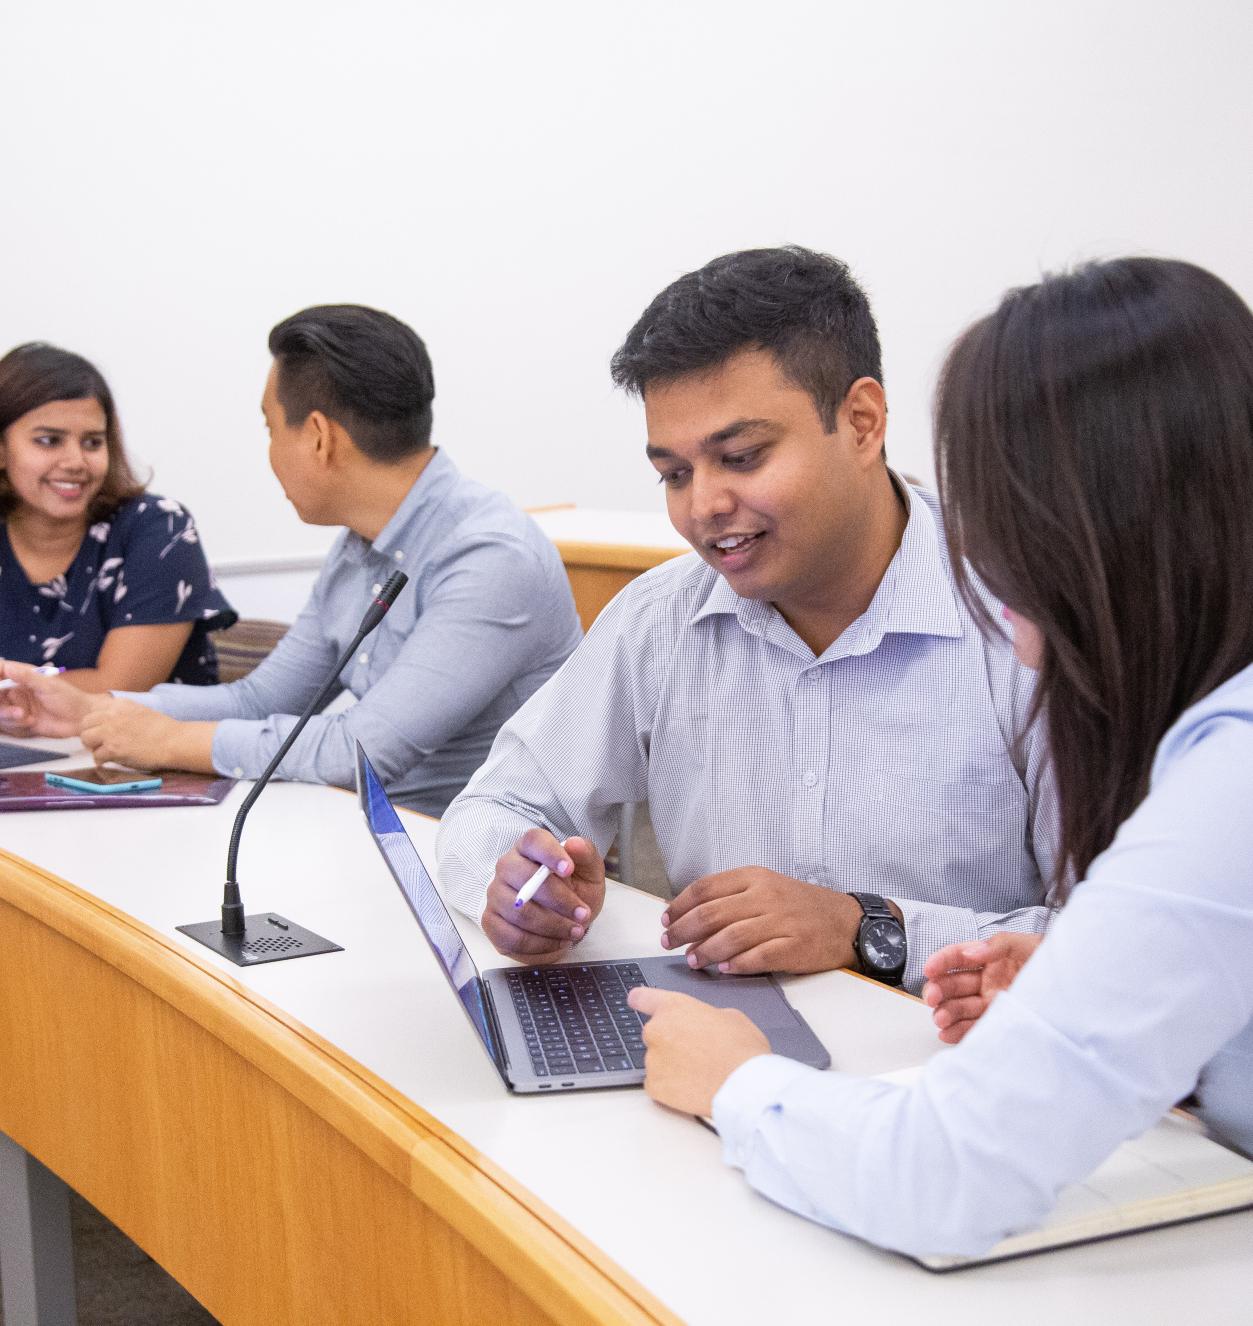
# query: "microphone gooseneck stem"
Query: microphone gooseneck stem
232,903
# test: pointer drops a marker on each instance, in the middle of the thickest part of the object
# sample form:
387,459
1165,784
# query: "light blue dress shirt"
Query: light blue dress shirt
486,618
886,765
1141,993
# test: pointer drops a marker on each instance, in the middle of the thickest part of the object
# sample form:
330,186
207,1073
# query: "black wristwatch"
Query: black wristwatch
880,941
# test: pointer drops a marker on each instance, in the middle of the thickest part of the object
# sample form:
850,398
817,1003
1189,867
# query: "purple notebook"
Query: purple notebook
28,791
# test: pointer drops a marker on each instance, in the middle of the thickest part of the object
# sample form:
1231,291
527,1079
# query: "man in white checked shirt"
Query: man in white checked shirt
807,706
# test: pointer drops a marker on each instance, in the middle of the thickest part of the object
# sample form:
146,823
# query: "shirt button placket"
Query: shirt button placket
810,744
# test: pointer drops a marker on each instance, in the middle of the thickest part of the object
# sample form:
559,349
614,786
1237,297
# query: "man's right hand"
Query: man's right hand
42,705
559,915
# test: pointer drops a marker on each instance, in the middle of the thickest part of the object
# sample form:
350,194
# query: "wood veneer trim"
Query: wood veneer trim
606,556
547,1258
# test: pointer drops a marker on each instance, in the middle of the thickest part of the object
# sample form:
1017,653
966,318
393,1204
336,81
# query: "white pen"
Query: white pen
46,670
531,887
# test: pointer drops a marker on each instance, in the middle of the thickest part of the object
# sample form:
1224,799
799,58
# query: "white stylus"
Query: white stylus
531,887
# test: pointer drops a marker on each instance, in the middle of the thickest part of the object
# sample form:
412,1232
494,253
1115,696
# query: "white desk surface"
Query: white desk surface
647,1186
632,529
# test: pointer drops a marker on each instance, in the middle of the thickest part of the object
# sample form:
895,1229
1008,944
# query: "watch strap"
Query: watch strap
875,909
873,905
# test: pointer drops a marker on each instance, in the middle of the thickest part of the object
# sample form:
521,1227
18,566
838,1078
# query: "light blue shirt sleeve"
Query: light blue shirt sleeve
1141,992
481,626
548,766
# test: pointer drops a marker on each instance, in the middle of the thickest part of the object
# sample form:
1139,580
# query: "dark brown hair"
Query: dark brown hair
35,374
1094,445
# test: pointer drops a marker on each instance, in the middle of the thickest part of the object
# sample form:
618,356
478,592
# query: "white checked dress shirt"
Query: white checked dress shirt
886,765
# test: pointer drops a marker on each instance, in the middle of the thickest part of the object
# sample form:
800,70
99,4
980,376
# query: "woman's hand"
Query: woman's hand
41,705
963,979
692,1048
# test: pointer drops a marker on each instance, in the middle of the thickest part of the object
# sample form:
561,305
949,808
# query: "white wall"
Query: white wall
517,181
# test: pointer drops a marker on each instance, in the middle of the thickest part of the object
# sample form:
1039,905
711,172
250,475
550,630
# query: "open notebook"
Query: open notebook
1171,1174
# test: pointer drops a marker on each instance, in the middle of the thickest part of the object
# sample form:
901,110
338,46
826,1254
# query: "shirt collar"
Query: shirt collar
915,597
402,533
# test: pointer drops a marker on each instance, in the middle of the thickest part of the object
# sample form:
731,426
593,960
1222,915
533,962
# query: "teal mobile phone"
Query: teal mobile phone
127,783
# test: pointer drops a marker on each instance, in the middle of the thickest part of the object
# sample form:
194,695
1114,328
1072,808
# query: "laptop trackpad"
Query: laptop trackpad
757,996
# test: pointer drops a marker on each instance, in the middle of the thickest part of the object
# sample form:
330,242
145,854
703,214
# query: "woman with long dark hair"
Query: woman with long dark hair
97,577
1095,451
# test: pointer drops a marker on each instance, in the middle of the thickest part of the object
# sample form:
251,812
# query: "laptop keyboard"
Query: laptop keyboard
576,1019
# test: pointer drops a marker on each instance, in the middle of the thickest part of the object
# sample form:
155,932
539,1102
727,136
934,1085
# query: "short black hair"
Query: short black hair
804,307
365,369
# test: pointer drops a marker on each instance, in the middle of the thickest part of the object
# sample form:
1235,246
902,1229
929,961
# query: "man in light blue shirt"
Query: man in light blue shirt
486,618
807,706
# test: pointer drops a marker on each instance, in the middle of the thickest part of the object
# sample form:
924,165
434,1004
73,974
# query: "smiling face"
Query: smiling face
56,458
758,486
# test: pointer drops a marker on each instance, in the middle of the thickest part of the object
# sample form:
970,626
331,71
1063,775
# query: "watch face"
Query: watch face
882,944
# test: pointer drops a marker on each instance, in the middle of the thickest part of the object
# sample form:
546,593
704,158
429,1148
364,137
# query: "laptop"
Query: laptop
567,1027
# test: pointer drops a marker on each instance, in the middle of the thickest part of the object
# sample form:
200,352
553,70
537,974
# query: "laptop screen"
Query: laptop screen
423,898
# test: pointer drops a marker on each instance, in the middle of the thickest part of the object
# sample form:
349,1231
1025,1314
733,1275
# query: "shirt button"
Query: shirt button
363,658
399,555
811,880
810,779
376,588
237,772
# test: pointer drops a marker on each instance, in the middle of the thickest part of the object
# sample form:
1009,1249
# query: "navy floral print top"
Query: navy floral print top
143,566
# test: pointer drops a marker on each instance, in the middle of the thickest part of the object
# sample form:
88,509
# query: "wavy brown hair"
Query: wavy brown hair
35,374
1094,445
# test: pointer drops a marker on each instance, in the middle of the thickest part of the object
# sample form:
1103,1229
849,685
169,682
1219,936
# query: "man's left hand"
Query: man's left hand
752,920
127,733
692,1048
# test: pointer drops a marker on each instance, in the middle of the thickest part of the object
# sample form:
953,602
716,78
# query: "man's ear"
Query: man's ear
320,435
866,409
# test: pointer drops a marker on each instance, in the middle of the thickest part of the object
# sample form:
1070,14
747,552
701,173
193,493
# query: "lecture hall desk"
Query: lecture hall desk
323,1140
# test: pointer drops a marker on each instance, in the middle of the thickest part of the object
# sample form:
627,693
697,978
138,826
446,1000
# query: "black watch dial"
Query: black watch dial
882,944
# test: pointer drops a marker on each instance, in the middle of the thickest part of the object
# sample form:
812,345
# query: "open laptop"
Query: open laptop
566,1027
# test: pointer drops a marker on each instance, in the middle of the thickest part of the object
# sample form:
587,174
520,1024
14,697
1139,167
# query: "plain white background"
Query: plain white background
518,180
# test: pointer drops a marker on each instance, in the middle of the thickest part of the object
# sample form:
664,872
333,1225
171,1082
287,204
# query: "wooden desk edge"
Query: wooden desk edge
619,556
549,1261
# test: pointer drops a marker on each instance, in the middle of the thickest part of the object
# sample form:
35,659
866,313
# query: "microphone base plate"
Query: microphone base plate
267,937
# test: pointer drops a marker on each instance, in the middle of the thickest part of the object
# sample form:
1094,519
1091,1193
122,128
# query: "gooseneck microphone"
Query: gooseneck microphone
266,937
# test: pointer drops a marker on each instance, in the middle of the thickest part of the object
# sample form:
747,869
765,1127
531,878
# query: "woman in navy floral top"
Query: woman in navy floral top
96,575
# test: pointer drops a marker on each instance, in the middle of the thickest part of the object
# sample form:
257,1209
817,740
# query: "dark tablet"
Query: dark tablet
12,755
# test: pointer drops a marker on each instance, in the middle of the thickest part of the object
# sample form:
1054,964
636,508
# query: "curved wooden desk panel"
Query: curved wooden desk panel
603,551
598,571
274,1177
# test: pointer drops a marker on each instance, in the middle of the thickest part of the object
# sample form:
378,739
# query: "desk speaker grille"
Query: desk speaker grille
278,944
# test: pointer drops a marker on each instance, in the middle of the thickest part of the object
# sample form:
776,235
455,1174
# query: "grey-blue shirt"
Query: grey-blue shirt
486,618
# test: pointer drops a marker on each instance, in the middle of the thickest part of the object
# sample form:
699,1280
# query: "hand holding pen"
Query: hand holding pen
40,703
544,896
44,670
